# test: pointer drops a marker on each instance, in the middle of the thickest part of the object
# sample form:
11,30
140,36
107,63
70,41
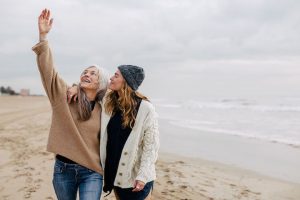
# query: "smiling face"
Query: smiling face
116,81
89,79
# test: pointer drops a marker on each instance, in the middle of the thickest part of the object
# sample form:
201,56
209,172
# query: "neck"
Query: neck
91,95
119,92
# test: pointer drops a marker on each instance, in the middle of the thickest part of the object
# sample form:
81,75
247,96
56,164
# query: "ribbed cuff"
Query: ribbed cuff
40,47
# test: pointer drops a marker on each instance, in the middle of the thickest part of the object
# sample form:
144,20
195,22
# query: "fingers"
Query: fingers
138,188
75,98
51,22
41,15
70,96
134,184
139,185
45,14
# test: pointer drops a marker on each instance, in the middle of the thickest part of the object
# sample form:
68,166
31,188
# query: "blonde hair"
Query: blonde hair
126,100
84,105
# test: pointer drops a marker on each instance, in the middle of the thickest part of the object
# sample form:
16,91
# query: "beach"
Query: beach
26,167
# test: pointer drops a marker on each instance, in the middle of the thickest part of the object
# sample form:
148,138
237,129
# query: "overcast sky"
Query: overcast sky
251,45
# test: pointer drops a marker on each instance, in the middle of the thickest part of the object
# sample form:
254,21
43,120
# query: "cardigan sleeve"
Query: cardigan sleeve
55,87
150,147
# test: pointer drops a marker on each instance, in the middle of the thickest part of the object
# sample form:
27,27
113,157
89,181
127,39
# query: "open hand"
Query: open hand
45,23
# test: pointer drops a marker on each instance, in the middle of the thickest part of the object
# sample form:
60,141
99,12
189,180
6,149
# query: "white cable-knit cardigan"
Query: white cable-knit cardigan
140,151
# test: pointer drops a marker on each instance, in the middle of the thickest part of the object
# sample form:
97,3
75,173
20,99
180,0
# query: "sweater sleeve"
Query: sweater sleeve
55,87
150,147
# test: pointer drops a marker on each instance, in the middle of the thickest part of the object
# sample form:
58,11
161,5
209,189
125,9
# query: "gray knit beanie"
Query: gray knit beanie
133,75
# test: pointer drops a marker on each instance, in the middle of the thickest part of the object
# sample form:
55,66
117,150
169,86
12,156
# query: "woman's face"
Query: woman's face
89,78
116,81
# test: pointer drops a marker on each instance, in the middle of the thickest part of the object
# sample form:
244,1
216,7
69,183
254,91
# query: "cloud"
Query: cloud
159,35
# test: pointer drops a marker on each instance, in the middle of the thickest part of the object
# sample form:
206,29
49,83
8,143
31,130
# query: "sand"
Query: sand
26,168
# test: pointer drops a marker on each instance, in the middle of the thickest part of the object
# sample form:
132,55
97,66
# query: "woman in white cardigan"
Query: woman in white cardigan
129,136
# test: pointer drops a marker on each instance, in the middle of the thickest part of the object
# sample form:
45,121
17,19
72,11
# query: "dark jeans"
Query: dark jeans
127,194
68,178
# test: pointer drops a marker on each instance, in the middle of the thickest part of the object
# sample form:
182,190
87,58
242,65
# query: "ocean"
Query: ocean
260,134
273,119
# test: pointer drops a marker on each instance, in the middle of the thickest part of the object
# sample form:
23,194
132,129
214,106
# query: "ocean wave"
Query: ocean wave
196,125
227,104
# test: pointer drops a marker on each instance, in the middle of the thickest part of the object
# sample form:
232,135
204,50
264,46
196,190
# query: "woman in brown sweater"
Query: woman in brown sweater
75,128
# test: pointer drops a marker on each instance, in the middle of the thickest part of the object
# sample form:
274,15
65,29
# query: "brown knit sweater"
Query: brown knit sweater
69,137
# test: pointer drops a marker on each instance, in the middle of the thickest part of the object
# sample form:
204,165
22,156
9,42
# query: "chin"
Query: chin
83,85
87,86
112,88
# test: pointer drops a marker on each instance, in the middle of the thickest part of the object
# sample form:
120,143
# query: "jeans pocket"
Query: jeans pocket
58,169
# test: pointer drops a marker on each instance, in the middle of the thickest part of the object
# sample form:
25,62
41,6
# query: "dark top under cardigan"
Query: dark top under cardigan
116,138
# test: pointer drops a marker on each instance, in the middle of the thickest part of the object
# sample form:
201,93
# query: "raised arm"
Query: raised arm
54,86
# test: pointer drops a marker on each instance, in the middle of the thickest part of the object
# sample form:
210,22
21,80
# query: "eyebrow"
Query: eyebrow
88,70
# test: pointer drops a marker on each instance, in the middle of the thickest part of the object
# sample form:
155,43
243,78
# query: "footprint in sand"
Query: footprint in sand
30,190
249,191
38,180
179,162
5,197
27,196
167,176
166,170
180,174
29,168
183,186
29,180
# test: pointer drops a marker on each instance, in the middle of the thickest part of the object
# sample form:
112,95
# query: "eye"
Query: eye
94,73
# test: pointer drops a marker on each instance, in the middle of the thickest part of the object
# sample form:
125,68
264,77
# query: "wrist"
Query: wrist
43,37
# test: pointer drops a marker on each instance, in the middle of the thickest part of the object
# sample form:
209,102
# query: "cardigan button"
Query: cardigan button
125,153
119,183
120,174
123,164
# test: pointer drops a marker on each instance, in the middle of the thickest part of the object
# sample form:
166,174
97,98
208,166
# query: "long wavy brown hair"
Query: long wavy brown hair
126,100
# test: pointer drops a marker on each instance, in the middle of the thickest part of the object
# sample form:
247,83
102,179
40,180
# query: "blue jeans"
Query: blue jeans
127,194
68,178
